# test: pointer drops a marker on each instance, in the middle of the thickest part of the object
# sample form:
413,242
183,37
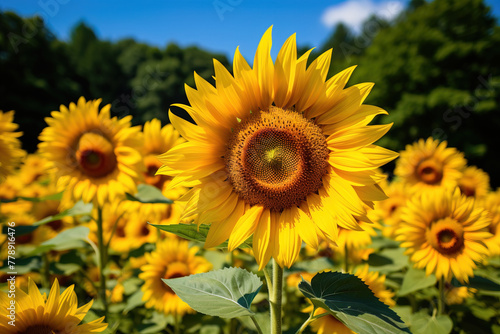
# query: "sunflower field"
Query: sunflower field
271,198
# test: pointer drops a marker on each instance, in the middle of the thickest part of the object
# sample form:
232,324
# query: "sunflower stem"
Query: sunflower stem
441,299
275,298
259,330
46,272
346,258
102,261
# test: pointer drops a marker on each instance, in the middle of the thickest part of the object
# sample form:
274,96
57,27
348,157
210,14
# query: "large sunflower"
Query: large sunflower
444,232
172,259
10,146
95,157
277,152
428,164
59,313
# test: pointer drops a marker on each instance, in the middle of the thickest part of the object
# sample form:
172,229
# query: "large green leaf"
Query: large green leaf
148,194
225,293
347,298
194,233
78,209
414,280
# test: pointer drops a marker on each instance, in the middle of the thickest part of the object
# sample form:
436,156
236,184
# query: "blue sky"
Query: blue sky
215,25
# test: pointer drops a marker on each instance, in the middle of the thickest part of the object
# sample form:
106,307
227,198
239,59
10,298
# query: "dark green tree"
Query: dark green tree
436,72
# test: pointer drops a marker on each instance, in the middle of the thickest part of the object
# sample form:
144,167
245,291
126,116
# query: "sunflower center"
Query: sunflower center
95,155
152,166
429,171
276,158
175,270
446,236
467,189
39,329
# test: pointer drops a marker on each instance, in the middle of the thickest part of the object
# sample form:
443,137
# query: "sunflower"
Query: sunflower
388,211
457,295
474,182
428,164
95,157
157,140
352,239
492,205
59,313
172,259
444,232
11,153
277,152
328,324
33,169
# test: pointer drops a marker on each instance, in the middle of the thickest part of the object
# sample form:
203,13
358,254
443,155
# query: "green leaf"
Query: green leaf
346,297
414,280
148,194
225,293
53,197
478,282
388,260
194,233
24,265
67,264
134,301
79,208
422,323
68,239
20,230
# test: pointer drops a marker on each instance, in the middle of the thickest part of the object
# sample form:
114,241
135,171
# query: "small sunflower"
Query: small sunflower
157,140
388,211
34,169
492,205
444,232
357,239
95,157
278,152
457,295
59,313
474,182
172,258
428,164
11,153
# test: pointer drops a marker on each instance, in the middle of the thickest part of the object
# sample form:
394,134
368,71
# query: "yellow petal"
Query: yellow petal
245,226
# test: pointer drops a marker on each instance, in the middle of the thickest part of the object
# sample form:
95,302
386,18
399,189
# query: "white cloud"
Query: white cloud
354,12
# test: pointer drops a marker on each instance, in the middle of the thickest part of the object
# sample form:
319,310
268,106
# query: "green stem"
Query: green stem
346,258
441,299
46,272
102,261
177,328
275,298
311,318
259,330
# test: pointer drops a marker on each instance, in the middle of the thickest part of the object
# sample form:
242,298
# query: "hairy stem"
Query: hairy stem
275,298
